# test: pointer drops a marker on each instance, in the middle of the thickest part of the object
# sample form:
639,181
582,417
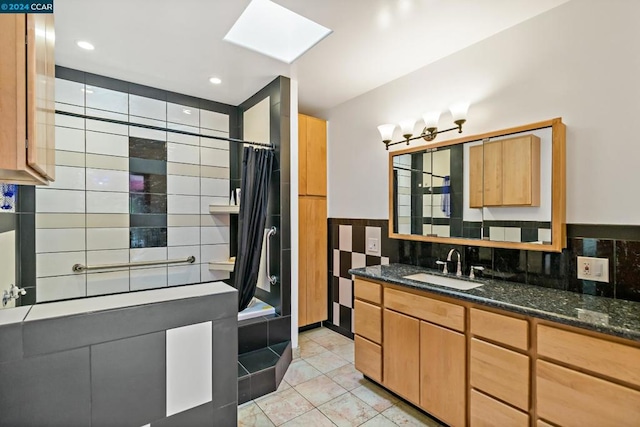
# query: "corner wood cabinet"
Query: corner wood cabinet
505,172
312,212
27,99
522,371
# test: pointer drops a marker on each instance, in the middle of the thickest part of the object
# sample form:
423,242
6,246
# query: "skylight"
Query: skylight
275,31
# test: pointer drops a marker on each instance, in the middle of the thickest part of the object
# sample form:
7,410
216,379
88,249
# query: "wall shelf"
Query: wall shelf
218,209
222,265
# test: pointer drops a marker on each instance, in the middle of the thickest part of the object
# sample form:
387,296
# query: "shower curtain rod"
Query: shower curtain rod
269,146
417,170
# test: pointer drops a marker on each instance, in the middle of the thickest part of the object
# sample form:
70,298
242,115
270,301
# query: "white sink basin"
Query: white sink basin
449,282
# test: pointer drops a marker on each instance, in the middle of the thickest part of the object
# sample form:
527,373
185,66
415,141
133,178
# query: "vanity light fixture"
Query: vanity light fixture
430,131
85,45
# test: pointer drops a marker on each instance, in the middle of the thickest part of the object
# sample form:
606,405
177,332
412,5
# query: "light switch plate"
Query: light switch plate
596,269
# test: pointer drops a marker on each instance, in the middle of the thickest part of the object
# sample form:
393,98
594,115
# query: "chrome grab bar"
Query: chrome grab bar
272,279
79,268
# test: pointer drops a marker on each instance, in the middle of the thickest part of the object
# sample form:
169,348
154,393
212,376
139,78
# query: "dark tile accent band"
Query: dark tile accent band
601,231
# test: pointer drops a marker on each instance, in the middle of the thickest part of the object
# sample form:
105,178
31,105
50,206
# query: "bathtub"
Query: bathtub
256,308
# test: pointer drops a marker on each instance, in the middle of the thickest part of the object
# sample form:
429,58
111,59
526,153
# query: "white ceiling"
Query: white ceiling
178,45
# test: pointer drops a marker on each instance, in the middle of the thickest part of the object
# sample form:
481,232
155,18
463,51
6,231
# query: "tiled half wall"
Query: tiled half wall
124,194
349,248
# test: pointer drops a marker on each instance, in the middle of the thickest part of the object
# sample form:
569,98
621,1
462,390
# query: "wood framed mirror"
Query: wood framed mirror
503,189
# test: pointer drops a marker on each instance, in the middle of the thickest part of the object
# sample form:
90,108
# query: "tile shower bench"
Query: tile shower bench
163,357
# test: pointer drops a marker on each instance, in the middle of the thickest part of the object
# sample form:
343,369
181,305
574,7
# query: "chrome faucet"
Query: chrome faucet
13,293
459,269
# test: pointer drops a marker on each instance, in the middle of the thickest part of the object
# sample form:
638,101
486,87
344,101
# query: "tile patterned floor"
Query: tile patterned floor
322,388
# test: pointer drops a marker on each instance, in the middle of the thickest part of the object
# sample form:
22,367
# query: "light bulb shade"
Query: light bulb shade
386,131
407,127
431,119
459,111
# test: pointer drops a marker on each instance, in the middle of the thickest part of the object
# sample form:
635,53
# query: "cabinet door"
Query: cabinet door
401,356
303,256
476,180
492,176
302,154
316,157
442,373
40,94
315,238
521,171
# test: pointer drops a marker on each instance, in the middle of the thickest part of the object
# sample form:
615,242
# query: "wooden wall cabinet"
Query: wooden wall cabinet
312,156
312,204
510,172
27,99
312,258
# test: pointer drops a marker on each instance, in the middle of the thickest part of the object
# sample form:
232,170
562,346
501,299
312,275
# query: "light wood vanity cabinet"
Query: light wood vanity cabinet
510,172
523,371
27,100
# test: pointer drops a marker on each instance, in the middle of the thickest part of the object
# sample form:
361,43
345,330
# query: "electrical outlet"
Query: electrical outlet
596,269
372,244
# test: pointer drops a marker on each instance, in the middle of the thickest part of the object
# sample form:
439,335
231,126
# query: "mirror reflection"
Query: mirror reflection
497,189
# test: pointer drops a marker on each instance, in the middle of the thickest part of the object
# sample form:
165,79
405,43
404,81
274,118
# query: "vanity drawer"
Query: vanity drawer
500,328
597,355
368,291
487,412
434,311
500,372
368,321
569,398
368,358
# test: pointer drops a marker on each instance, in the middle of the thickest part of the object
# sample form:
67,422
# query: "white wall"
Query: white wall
579,61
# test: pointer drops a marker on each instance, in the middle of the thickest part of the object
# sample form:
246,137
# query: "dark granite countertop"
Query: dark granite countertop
550,304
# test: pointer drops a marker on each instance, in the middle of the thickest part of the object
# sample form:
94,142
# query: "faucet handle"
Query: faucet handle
444,270
473,268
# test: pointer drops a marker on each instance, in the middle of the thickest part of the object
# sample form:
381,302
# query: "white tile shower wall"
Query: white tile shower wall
93,183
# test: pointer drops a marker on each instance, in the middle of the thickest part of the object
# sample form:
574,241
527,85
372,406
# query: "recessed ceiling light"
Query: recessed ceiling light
85,45
215,80
275,31
184,110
